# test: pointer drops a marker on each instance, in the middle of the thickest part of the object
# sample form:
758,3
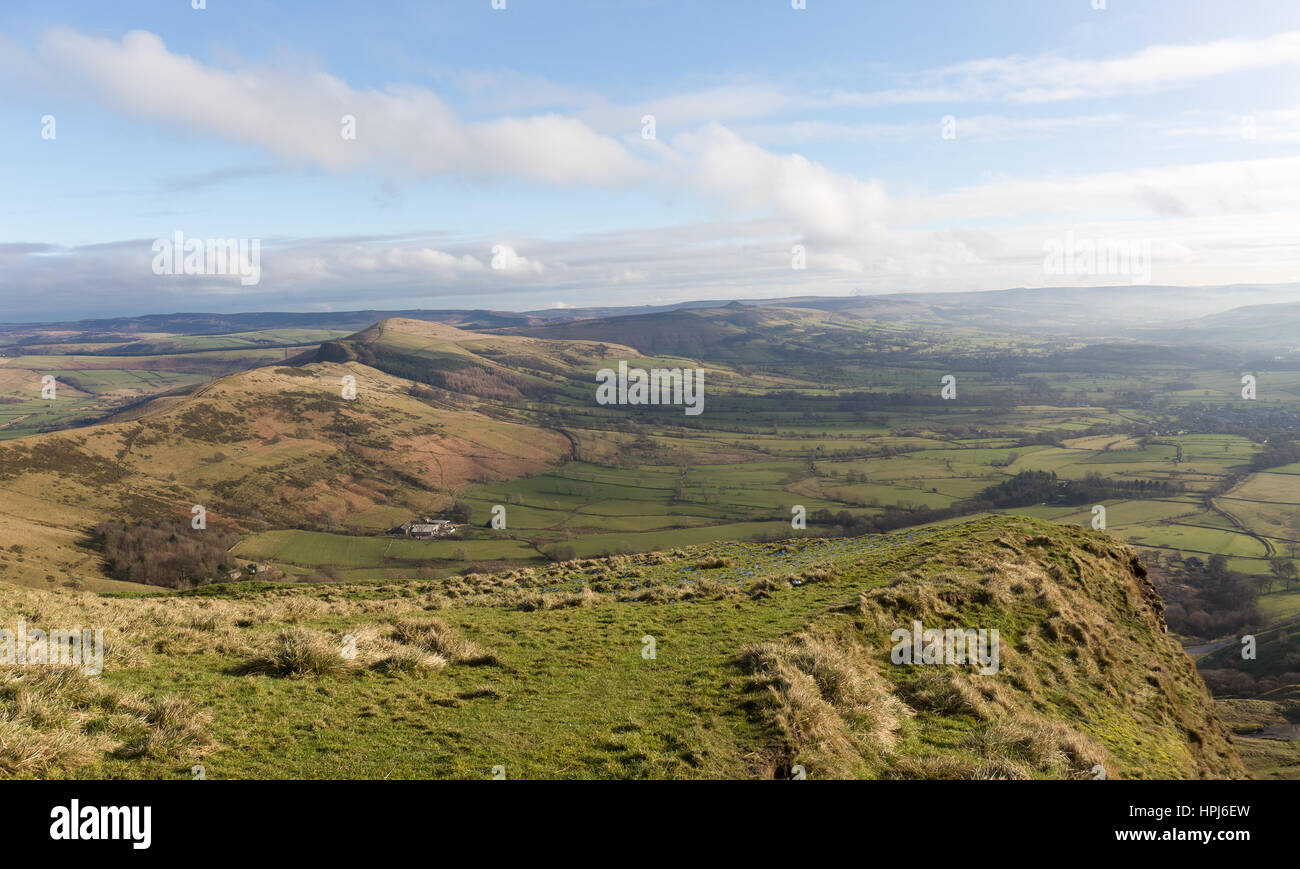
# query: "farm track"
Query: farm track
1209,648
1269,551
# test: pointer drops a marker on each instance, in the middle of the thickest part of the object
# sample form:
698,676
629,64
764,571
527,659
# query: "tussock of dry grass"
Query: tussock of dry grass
297,653
956,692
171,725
407,646
409,661
583,597
764,587
831,707
1045,747
434,636
530,601
535,601
54,719
701,589
942,767
413,645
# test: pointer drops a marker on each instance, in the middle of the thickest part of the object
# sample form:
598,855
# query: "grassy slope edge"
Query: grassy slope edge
766,656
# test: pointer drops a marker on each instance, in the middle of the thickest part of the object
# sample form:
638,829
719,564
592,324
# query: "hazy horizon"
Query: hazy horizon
524,159
1212,300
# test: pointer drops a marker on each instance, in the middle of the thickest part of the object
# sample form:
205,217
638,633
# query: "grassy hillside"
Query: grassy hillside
272,447
765,657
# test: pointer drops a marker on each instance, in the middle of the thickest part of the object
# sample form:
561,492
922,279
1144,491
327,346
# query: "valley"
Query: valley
822,429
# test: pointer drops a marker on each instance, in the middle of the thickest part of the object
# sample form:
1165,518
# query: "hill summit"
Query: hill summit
1084,682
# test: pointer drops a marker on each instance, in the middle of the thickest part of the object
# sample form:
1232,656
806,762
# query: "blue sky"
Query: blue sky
1173,127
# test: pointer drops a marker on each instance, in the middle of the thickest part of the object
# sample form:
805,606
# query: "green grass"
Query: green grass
570,695
1279,604
319,549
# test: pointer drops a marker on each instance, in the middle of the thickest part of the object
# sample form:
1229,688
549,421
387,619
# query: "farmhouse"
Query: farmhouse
428,528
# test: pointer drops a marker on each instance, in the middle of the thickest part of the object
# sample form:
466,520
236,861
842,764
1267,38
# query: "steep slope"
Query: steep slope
1087,678
435,408
729,661
273,447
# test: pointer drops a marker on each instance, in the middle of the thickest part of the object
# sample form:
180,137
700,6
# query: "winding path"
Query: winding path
1269,551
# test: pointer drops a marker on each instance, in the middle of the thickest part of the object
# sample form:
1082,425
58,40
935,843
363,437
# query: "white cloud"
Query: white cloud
1048,78
753,179
1222,221
299,116
1220,188
507,261
1028,80
296,115
1273,126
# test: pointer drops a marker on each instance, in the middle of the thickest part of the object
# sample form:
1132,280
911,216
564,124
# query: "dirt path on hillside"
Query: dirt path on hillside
1209,648
1269,551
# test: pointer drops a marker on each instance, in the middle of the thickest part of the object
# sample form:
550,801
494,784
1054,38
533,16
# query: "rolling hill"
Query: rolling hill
1261,329
280,446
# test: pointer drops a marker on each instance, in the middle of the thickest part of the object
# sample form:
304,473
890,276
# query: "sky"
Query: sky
558,153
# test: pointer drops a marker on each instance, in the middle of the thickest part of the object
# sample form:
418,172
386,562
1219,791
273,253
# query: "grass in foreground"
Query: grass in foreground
735,660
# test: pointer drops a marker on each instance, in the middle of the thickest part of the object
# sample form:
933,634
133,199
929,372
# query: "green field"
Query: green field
317,549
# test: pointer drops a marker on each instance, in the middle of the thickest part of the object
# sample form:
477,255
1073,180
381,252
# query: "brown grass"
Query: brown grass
54,719
433,635
833,711
298,653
